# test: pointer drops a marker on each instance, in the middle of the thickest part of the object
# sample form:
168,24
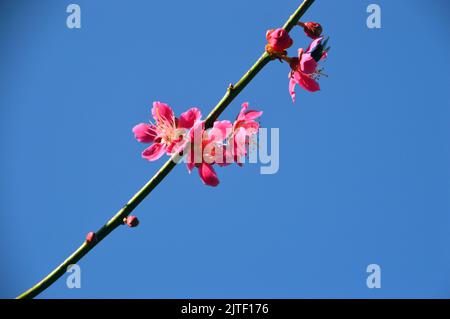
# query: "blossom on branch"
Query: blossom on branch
304,68
223,144
167,133
278,41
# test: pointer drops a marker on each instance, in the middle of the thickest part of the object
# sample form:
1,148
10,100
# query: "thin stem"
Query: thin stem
117,219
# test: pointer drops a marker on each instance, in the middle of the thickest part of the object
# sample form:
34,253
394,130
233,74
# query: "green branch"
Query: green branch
117,219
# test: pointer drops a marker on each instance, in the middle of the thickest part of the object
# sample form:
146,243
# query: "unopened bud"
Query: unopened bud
90,237
312,29
131,221
278,41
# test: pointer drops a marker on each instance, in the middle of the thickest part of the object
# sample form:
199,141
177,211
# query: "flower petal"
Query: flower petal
190,166
245,115
292,84
144,132
314,44
300,53
208,175
189,118
308,83
250,127
308,64
240,140
154,152
177,145
252,115
241,115
220,130
227,156
163,113
269,34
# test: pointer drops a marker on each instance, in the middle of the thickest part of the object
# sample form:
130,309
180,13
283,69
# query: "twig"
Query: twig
117,219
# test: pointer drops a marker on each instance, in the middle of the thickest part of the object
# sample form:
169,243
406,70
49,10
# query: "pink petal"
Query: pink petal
221,130
308,64
189,118
177,146
208,175
241,115
314,44
162,113
300,53
144,132
292,84
190,161
251,127
308,83
154,152
269,34
245,115
228,157
197,129
252,115
240,139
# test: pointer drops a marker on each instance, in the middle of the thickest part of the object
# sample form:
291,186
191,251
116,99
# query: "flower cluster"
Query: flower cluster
305,69
227,142
223,144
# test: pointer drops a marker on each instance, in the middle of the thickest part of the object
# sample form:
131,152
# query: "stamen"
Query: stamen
166,127
318,73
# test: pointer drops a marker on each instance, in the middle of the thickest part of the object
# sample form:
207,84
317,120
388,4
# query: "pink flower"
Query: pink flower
205,147
167,134
304,68
223,144
246,119
278,40
243,128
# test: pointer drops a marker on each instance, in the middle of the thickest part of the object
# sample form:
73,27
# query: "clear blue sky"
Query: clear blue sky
364,163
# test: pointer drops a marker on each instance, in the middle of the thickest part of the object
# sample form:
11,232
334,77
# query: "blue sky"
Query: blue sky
364,163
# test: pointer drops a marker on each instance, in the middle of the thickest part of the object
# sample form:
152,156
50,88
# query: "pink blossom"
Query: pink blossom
221,145
204,146
167,134
278,40
246,119
304,68
243,128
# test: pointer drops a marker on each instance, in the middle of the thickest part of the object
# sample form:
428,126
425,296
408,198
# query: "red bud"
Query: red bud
312,29
131,221
90,237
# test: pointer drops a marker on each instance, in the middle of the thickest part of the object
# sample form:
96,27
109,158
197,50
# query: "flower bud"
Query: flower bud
131,221
90,237
312,29
278,40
